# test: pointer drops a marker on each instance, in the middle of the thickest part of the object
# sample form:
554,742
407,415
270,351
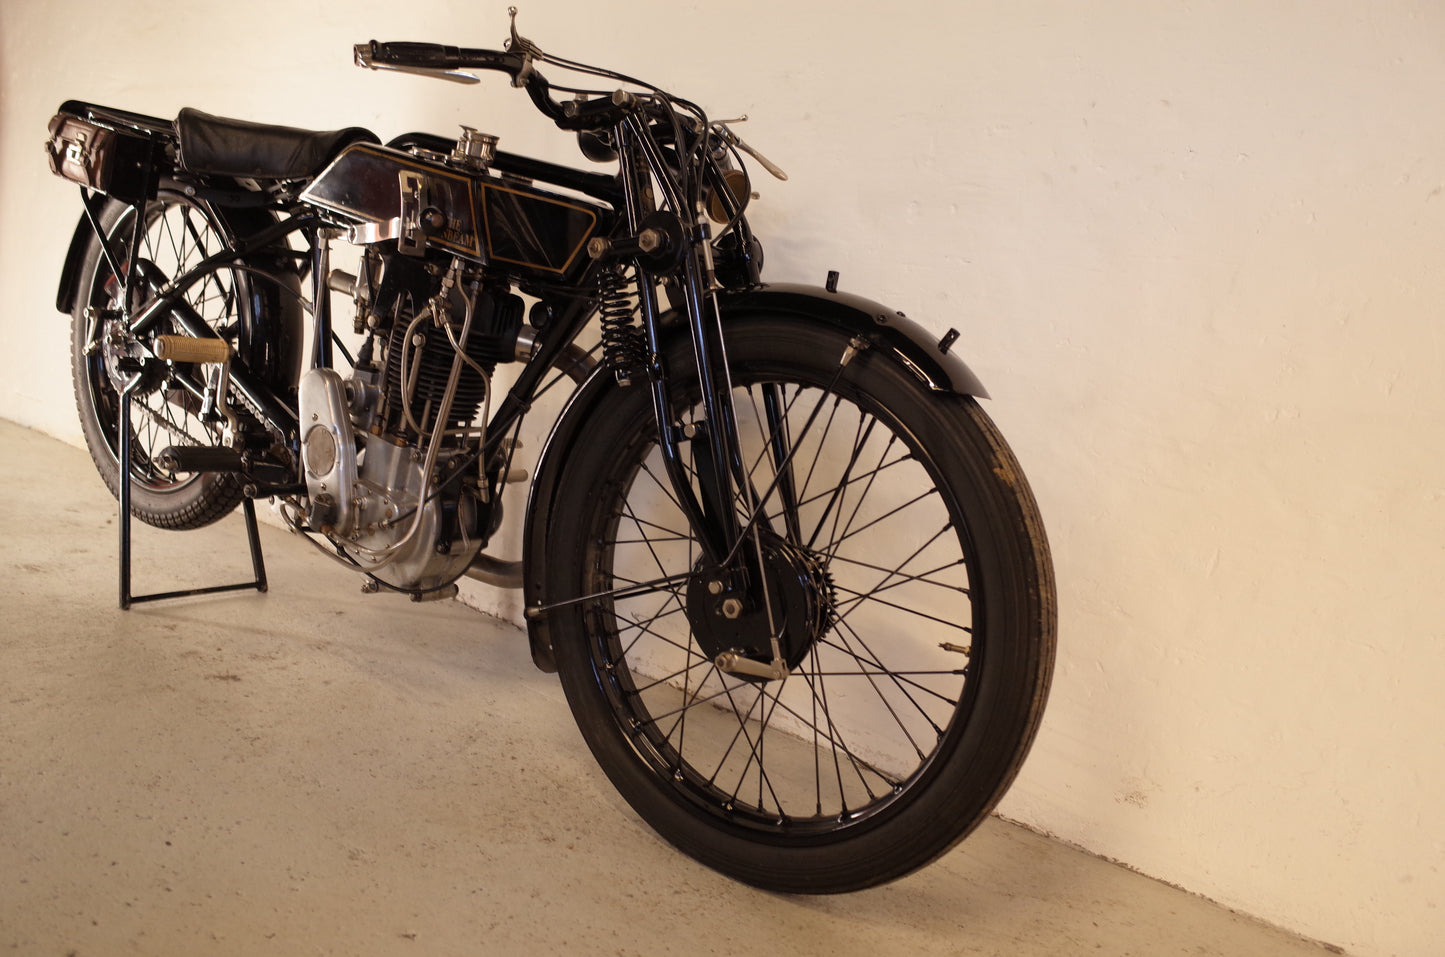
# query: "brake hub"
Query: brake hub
730,614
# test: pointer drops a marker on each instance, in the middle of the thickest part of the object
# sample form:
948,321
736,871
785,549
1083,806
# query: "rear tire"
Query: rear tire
913,578
179,233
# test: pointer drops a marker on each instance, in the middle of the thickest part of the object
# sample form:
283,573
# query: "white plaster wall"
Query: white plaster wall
1192,249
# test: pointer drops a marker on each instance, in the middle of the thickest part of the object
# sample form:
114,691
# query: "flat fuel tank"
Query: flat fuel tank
488,218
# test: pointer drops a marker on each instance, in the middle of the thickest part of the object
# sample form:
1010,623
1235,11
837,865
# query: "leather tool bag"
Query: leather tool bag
110,161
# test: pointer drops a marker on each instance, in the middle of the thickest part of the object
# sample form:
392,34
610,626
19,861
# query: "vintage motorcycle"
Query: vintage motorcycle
792,579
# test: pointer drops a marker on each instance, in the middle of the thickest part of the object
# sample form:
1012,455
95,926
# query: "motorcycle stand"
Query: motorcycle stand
123,457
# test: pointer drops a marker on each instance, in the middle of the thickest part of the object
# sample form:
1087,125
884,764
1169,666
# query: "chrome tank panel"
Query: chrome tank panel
364,183
489,218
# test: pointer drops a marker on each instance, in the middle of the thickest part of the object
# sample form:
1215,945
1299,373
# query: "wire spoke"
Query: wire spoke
843,732
899,679
837,746
670,678
859,599
884,517
882,584
645,629
867,476
755,755
905,677
922,577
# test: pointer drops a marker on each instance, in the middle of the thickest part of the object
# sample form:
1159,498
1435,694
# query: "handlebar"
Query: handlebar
435,56
575,116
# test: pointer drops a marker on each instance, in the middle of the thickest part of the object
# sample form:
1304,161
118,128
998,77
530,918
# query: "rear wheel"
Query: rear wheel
908,583
179,233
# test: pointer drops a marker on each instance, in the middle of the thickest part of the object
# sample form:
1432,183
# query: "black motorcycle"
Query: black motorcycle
792,579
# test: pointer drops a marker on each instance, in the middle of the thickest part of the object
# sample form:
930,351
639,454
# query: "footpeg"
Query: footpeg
213,352
188,349
199,458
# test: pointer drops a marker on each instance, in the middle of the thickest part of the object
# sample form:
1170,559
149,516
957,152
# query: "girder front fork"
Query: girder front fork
711,502
712,491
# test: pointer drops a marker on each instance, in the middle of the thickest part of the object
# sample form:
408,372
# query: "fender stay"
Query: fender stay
925,356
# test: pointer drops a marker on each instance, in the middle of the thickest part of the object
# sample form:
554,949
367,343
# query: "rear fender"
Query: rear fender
911,344
70,272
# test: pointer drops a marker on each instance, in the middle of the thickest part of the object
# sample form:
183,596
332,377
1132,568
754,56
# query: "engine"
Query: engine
392,454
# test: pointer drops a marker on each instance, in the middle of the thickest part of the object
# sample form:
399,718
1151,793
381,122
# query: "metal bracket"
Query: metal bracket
364,234
412,239
736,664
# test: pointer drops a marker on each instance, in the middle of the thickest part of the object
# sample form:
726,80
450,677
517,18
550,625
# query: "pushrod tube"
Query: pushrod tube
320,298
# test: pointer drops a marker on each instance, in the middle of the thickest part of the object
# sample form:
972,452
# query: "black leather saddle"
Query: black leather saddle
226,147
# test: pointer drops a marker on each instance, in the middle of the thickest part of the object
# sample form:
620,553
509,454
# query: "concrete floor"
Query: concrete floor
311,771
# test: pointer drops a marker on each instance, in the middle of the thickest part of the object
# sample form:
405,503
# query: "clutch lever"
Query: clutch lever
732,139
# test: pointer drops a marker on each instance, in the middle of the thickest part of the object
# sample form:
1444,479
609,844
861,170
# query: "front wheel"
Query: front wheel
907,580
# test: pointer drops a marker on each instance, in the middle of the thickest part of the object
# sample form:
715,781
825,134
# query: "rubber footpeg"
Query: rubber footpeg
198,458
188,349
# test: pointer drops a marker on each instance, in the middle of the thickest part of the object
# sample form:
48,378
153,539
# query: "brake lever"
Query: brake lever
453,76
732,139
523,47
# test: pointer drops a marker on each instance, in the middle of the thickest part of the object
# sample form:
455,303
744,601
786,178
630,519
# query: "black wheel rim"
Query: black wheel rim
873,703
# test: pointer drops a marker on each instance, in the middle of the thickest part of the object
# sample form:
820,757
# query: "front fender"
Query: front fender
567,431
885,329
914,346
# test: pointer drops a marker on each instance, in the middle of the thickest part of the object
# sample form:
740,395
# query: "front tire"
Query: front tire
908,568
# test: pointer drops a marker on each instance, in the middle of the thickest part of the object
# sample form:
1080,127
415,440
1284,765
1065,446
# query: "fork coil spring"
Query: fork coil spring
623,347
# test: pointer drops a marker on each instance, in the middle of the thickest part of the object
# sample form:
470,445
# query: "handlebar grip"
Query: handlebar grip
433,55
575,116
